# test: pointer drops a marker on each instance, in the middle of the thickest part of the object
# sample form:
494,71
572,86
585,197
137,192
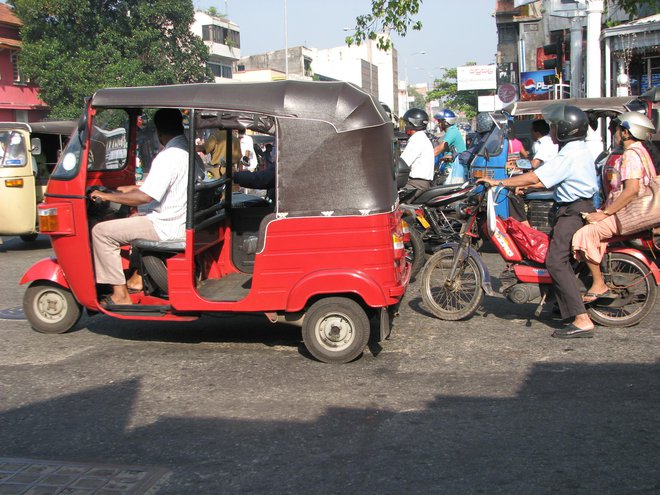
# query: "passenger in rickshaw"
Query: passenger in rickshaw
166,184
216,147
259,179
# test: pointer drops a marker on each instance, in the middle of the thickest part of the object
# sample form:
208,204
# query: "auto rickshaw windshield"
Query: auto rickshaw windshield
12,149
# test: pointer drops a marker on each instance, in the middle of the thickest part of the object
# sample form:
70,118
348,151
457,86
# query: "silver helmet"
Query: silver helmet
637,124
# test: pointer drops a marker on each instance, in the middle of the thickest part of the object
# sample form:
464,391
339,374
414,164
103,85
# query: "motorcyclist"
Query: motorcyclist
418,154
573,173
451,146
453,139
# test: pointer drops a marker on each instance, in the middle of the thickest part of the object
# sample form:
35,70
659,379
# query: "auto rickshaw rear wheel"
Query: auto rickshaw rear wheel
29,237
335,330
50,308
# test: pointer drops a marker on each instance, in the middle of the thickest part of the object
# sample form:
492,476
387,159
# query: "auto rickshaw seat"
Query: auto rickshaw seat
159,246
246,224
261,238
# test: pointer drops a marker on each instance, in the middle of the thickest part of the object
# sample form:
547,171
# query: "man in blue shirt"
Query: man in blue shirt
573,174
453,143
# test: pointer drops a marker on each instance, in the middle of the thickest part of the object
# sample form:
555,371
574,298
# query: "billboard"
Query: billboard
470,77
532,86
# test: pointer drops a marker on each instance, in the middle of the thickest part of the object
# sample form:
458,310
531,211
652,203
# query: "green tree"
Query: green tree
634,7
386,16
71,48
445,89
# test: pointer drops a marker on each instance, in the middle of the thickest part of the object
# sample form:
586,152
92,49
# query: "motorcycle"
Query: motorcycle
455,278
437,212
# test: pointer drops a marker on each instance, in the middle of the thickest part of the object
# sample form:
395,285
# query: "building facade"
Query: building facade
223,39
630,50
19,100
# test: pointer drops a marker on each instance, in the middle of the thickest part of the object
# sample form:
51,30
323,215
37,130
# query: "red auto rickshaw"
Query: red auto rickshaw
327,254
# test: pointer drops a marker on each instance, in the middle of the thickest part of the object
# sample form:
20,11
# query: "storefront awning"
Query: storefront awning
640,33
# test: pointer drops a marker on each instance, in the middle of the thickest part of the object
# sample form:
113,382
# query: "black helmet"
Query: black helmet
416,119
571,122
484,122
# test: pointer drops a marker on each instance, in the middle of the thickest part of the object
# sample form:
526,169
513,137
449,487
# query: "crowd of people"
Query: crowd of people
560,161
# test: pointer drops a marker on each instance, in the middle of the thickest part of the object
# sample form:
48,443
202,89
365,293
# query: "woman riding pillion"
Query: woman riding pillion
626,180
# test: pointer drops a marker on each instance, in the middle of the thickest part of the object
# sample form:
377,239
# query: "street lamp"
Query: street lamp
286,45
406,80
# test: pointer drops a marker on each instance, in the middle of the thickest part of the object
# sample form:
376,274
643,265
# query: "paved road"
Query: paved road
234,405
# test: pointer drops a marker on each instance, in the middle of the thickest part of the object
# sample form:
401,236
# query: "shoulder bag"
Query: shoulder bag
643,212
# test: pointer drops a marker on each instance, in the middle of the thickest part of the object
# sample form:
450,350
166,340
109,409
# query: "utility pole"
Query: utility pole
594,68
594,71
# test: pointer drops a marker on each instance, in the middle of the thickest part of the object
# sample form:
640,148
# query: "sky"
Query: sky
453,31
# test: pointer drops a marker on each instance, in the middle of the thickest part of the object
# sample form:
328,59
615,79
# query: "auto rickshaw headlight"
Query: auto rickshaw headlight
14,183
48,220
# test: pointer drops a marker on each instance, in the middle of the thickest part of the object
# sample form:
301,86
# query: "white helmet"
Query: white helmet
637,124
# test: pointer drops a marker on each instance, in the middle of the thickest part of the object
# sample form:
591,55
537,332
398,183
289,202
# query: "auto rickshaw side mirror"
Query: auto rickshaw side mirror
82,123
35,146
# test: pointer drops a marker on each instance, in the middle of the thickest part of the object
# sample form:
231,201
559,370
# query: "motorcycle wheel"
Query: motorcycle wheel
415,250
50,308
636,290
453,301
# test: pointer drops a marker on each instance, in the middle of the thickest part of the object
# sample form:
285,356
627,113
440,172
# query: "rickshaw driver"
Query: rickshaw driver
167,184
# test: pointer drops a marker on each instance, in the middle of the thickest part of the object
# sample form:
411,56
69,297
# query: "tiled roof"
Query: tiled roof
7,16
9,43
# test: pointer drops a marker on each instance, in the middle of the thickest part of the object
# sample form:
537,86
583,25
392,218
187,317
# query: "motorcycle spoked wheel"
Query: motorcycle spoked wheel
455,300
636,292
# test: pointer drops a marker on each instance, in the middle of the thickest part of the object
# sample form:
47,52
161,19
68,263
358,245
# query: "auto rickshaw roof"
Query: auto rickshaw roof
616,104
343,105
64,127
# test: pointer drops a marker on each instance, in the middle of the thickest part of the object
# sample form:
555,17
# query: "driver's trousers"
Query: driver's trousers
558,261
107,239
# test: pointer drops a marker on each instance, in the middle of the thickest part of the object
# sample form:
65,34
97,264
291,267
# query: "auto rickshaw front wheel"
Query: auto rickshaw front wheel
335,330
50,308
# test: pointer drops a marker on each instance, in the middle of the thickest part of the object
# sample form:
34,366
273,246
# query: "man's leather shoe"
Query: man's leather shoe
573,332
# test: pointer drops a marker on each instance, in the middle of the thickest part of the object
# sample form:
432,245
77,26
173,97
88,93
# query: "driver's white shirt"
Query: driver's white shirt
544,149
419,156
167,184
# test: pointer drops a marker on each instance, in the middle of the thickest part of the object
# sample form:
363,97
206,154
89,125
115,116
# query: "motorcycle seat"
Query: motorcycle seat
540,195
436,191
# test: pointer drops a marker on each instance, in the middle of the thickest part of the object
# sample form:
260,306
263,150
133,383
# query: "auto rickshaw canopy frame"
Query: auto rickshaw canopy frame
335,143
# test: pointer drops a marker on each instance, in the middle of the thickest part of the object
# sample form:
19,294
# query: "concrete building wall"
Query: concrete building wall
224,51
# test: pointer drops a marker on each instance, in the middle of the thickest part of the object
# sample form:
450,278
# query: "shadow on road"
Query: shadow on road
571,428
10,244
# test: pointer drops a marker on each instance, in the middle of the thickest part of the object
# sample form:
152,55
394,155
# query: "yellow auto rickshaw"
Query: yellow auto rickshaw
28,154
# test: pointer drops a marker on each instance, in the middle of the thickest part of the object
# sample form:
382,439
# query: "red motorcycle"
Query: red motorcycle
455,278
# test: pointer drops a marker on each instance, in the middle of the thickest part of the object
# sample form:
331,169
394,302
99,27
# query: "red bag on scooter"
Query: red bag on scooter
531,242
